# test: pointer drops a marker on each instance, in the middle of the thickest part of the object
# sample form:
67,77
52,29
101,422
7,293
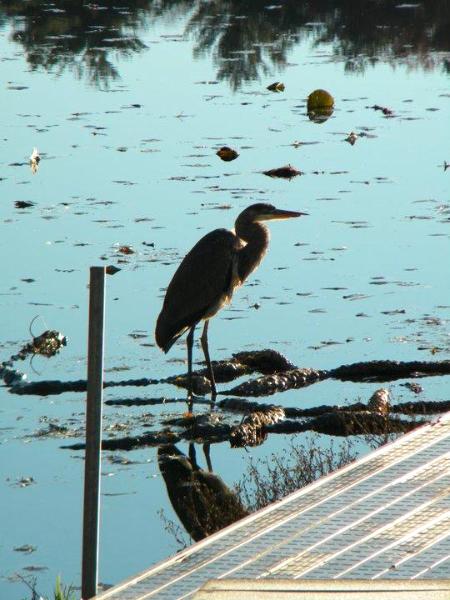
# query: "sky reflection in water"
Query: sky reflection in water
127,107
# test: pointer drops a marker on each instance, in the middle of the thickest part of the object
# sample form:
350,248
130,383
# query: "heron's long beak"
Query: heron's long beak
279,214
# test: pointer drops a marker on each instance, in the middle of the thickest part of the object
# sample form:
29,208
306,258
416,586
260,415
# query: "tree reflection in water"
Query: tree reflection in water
247,39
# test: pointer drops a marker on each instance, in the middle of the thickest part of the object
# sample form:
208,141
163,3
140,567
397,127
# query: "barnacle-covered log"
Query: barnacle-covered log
251,432
388,370
346,423
264,361
224,371
279,382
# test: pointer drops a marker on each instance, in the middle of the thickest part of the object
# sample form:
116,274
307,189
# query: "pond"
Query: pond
127,106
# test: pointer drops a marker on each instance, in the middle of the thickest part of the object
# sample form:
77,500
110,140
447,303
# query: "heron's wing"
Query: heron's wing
199,283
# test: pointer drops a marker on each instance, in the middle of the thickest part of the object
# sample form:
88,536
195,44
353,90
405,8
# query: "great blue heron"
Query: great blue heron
208,275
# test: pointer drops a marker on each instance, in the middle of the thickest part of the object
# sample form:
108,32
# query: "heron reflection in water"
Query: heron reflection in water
205,281
202,501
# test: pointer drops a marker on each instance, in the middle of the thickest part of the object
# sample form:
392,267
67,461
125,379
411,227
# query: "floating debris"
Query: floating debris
26,549
34,160
320,106
352,137
227,154
287,172
413,386
112,270
126,250
387,112
23,204
276,86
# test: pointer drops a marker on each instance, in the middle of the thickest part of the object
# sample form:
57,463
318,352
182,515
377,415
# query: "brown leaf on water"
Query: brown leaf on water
352,137
387,112
112,270
287,172
126,250
276,86
227,154
23,204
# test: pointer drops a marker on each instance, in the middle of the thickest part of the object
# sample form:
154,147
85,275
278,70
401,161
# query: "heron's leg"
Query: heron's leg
190,344
193,456
204,342
206,449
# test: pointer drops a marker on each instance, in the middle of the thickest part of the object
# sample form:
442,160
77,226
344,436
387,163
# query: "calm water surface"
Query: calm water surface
127,107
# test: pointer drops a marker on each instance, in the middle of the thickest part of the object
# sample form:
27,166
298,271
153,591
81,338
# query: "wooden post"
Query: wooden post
91,512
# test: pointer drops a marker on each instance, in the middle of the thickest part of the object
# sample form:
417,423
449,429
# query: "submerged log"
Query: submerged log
279,382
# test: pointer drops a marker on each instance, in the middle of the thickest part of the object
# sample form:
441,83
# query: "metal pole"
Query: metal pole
91,512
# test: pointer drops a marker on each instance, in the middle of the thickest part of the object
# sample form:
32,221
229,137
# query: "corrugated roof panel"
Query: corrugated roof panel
386,516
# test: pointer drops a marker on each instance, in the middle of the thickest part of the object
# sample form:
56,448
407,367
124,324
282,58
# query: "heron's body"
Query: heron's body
208,275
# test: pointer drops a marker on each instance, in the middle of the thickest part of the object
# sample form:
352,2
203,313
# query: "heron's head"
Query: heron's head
267,212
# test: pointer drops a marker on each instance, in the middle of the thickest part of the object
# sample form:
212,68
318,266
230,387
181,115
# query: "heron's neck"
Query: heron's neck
256,238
